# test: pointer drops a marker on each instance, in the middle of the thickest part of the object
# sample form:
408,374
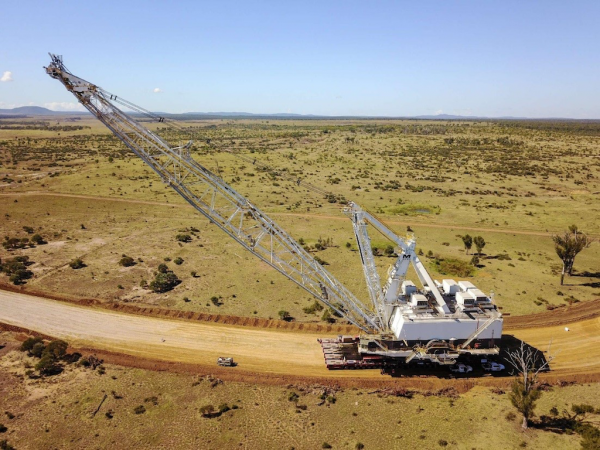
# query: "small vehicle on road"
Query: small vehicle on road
492,366
225,361
461,368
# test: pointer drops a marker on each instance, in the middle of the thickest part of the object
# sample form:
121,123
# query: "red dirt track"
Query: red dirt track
270,351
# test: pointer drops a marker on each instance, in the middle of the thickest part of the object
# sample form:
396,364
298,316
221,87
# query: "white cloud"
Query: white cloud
64,106
6,76
157,90
438,112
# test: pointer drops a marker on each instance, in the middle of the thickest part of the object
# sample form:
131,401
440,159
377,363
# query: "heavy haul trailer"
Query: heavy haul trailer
436,322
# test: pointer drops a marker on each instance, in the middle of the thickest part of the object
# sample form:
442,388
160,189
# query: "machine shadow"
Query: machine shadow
508,343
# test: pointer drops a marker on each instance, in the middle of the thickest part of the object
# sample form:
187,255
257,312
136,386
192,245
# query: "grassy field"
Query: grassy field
514,183
58,412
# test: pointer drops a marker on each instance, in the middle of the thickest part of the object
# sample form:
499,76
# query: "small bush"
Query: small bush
183,238
326,445
314,308
38,239
284,315
77,263
293,397
207,410
178,261
442,443
28,343
223,408
38,349
3,429
139,409
4,445
127,261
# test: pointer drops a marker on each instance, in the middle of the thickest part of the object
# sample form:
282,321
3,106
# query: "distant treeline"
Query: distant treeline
44,127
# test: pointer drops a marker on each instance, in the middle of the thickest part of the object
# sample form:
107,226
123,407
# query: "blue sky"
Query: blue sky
522,58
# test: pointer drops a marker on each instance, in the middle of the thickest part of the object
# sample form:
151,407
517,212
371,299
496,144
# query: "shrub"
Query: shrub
163,268
314,308
139,409
4,445
127,261
16,269
3,428
56,349
293,397
28,343
284,315
38,239
77,263
207,410
321,261
164,281
178,261
48,366
359,446
328,317
442,443
223,408
38,349
325,445
183,238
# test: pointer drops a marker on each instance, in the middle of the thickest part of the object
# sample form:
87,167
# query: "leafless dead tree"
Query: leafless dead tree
529,363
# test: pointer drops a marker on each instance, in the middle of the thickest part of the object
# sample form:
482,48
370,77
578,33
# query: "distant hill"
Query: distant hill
39,111
35,111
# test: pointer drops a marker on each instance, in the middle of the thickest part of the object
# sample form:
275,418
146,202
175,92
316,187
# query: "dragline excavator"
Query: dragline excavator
437,322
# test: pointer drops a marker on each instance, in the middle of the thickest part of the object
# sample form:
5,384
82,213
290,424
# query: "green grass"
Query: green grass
263,416
414,174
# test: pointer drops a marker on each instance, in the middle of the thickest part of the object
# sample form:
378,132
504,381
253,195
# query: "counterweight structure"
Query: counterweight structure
438,322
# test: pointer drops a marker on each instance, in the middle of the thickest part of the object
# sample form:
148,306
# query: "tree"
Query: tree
568,246
284,315
475,260
525,390
467,241
479,243
164,281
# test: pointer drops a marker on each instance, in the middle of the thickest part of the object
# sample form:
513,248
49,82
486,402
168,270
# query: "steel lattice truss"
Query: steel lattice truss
218,201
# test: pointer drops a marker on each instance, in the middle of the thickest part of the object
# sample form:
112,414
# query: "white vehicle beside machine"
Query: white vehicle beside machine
491,366
461,368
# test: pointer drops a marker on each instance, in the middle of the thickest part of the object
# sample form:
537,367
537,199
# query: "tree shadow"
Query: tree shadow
586,274
510,343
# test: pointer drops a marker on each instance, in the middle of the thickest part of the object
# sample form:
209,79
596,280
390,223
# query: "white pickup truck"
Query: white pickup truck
461,368
491,366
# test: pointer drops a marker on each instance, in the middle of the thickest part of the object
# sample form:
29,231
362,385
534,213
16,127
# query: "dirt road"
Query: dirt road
257,350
